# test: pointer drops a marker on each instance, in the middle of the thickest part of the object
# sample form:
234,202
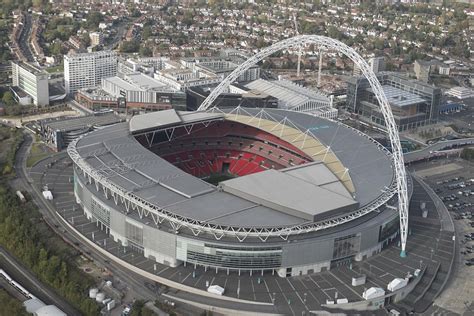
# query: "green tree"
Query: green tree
130,46
146,51
147,32
8,99
94,19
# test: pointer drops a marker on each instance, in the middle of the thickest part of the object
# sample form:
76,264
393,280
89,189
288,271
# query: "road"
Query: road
121,29
24,38
134,281
432,150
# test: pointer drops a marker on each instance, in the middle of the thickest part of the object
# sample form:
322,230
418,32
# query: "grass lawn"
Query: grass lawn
59,68
38,152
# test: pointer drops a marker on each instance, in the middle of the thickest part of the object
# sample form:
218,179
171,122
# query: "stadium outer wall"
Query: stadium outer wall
298,255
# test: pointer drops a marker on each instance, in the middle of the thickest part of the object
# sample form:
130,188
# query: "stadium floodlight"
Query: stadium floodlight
327,43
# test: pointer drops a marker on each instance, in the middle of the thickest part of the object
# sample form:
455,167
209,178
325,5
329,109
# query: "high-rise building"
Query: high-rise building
422,70
87,69
377,64
97,38
32,81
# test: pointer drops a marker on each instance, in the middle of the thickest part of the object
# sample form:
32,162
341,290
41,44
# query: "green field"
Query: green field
38,152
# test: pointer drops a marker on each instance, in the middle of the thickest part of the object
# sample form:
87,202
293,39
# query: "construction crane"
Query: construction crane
299,47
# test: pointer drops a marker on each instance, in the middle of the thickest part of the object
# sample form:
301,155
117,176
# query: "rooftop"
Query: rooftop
291,94
307,191
166,118
400,98
117,155
75,123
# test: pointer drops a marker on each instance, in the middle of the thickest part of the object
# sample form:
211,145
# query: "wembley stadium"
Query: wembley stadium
239,189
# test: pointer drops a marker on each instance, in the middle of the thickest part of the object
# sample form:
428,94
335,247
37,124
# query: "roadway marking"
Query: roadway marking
253,290
297,294
187,277
268,290
286,299
353,291
309,290
162,270
200,277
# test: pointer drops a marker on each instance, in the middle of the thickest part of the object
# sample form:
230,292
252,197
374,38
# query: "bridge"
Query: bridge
438,149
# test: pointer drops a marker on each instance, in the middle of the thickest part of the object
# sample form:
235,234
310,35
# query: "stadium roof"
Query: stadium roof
166,118
294,192
314,188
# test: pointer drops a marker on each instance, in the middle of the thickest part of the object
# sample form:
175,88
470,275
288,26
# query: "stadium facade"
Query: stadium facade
292,193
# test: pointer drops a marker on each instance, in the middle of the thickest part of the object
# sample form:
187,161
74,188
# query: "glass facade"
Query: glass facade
233,257
346,246
389,229
100,212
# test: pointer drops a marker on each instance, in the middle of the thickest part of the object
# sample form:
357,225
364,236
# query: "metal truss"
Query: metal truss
132,202
326,43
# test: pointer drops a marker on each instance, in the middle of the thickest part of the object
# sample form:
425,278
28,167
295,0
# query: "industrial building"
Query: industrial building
86,70
59,133
413,103
239,189
30,84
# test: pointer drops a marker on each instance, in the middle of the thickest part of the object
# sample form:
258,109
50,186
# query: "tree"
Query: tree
146,33
94,19
130,46
146,51
8,99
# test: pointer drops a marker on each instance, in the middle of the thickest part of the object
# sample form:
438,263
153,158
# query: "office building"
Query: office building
87,69
30,84
413,102
377,64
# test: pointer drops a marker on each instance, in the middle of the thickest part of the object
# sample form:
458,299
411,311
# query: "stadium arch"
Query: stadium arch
326,43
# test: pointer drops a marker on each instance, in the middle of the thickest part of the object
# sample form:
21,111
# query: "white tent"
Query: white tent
373,292
216,289
48,195
397,284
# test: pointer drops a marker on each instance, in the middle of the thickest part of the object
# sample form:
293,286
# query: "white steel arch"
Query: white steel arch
327,43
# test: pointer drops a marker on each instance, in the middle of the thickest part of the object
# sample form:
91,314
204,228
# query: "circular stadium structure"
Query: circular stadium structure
239,189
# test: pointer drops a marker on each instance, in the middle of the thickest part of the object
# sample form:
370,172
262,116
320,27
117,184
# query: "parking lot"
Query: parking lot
451,181
428,247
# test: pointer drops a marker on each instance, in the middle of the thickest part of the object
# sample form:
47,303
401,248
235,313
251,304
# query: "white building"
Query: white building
97,38
185,78
460,92
140,88
86,70
444,70
32,81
